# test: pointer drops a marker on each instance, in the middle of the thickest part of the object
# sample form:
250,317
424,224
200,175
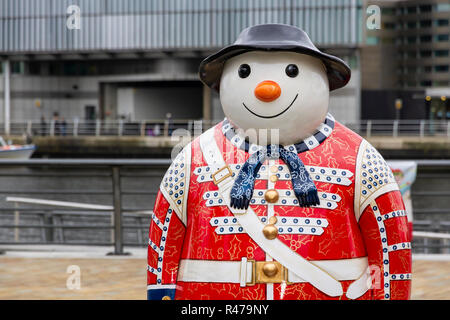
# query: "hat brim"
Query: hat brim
211,68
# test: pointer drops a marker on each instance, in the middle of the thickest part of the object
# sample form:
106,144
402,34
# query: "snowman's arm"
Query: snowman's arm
381,215
167,229
166,238
384,227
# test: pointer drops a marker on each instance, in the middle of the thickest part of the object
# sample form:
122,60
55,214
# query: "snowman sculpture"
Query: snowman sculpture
279,200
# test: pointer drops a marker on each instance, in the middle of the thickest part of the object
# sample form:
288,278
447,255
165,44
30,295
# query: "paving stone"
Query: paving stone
45,278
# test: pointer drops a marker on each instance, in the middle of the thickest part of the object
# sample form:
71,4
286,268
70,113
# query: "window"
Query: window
412,39
412,9
388,11
442,37
442,22
441,84
411,25
411,54
425,53
442,7
388,40
389,25
34,68
425,23
18,67
372,40
426,83
425,8
441,68
425,38
441,53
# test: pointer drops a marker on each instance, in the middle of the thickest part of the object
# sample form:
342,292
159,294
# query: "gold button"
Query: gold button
270,231
274,169
166,298
270,269
271,196
273,178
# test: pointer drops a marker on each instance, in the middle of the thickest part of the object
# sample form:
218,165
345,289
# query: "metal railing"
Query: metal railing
107,181
75,128
113,199
159,128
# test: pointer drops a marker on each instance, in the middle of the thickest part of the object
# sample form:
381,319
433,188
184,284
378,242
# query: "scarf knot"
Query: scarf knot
304,188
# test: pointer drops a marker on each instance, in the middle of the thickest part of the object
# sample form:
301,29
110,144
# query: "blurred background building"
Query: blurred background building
407,59
138,59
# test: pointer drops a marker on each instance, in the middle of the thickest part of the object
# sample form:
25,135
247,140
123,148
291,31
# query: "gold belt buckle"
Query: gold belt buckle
258,275
229,174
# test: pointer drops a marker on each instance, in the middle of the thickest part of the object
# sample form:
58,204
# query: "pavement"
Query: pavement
88,273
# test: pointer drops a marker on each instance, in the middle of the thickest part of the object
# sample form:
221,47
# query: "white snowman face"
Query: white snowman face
283,91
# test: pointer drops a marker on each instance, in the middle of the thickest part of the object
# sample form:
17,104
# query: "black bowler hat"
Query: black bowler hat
273,37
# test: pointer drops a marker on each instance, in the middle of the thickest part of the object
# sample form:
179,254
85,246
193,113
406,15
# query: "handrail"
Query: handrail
60,203
165,128
87,162
432,235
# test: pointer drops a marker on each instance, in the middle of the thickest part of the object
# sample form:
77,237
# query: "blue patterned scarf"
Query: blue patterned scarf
304,188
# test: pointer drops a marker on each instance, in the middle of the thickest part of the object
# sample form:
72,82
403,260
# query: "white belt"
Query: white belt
246,273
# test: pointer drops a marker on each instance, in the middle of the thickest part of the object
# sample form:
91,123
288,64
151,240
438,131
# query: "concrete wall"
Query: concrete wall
66,95
125,103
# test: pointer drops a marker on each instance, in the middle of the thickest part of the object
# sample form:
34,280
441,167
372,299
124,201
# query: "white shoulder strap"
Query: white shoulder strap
253,226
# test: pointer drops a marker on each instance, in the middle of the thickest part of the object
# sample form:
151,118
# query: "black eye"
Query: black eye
292,70
244,70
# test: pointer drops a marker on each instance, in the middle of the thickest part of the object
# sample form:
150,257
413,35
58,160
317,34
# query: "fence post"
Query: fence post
52,128
448,129
190,128
395,128
75,127
16,222
49,232
369,129
29,127
97,127
166,128
422,128
120,129
117,203
142,128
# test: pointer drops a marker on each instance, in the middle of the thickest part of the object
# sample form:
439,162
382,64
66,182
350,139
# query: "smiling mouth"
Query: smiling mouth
274,116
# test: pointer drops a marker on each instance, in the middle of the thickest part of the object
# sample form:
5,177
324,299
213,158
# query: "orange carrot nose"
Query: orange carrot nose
267,91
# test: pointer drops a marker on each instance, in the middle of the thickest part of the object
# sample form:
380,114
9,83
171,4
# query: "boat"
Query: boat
15,151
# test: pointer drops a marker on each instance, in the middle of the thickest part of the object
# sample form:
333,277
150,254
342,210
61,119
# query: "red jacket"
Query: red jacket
197,249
